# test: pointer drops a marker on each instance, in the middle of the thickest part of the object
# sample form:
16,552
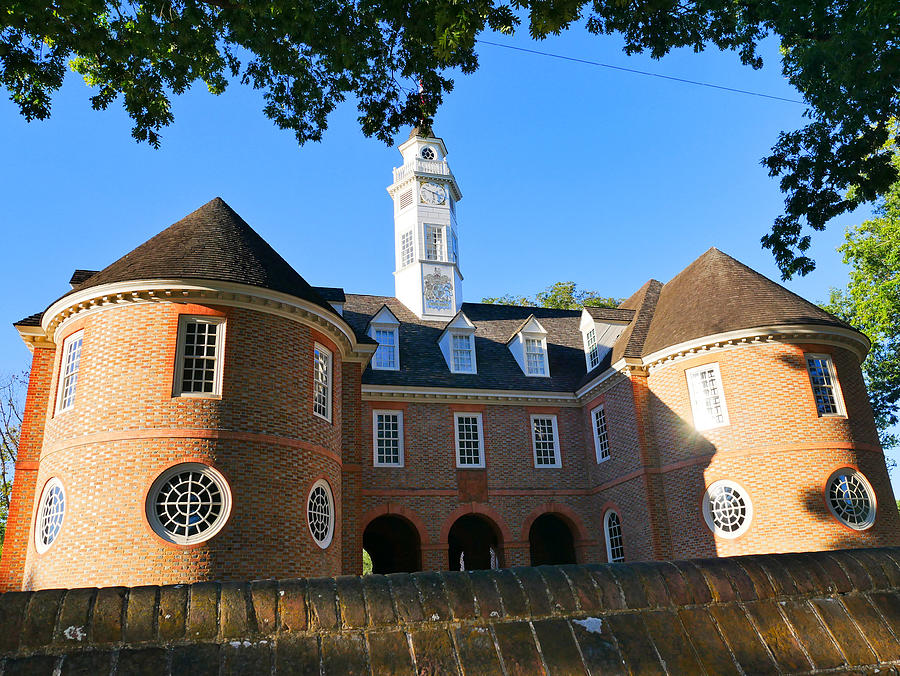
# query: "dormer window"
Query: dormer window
529,346
600,329
385,329
593,349
535,357
457,344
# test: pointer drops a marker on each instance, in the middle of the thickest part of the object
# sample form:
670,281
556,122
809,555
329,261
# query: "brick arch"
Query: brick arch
394,509
476,508
569,515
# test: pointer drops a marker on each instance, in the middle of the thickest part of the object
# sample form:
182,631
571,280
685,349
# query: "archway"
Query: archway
550,541
474,543
393,544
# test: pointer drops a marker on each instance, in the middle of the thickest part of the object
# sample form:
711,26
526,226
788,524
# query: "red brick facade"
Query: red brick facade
126,427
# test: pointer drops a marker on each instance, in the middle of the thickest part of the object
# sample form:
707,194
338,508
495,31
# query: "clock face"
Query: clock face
428,153
433,193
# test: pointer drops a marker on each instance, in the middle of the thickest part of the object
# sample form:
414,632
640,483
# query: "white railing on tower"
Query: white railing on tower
434,167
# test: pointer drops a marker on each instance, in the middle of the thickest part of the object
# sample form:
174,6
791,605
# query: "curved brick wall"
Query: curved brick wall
126,428
807,613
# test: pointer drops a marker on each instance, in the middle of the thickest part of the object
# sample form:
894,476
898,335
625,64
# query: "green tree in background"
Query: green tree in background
871,303
393,59
561,295
12,395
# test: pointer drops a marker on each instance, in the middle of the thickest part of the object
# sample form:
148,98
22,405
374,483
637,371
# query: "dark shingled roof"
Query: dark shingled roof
30,320
422,364
610,314
335,294
717,293
81,276
213,243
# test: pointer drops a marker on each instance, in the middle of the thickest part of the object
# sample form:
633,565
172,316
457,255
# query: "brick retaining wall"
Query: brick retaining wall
789,613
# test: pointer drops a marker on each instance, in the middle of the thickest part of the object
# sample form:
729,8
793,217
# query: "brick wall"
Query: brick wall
829,612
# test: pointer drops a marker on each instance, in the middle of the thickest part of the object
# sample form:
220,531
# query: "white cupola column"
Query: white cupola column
427,279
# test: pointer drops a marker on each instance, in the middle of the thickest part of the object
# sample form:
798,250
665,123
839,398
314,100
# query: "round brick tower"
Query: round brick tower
195,424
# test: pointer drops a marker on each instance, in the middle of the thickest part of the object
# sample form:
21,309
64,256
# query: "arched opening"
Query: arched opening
393,544
551,541
474,544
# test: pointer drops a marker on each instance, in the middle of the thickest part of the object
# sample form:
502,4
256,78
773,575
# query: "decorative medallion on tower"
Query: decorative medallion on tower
426,234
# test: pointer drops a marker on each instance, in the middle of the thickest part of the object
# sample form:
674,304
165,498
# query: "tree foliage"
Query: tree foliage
871,303
12,394
561,295
306,57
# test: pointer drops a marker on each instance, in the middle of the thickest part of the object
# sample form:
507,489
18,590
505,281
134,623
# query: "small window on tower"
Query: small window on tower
199,360
454,247
68,372
434,242
428,153
407,250
824,385
707,397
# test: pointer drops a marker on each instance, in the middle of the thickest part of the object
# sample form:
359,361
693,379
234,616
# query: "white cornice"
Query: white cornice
106,296
442,394
34,336
793,333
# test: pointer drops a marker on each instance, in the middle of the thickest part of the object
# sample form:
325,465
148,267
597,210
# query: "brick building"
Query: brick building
197,410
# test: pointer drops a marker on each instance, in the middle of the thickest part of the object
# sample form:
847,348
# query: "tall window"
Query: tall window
68,371
824,384
434,242
615,547
454,247
387,430
546,441
593,349
534,357
707,397
469,441
386,354
407,250
463,361
601,437
322,382
199,356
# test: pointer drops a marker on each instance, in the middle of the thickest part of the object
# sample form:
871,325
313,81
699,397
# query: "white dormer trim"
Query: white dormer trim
460,326
606,333
385,322
519,343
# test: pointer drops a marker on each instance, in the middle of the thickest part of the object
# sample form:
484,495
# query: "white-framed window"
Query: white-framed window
188,503
407,248
545,440
593,349
320,513
823,380
615,546
469,440
386,354
454,247
707,396
50,516
462,345
322,382
68,371
601,434
434,242
535,357
387,437
727,509
850,498
199,357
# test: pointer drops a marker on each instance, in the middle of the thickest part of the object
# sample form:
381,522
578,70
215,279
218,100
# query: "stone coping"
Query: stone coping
821,612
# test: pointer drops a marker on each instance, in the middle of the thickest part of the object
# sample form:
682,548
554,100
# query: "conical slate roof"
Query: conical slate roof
716,294
212,243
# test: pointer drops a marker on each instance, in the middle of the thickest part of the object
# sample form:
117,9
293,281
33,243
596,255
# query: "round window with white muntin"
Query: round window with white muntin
50,515
428,153
727,509
850,498
188,503
320,513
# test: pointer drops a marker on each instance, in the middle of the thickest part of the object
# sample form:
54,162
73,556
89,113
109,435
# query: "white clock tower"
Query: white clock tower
426,277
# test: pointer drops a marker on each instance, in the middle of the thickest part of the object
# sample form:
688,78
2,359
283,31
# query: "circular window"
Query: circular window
188,503
727,509
428,153
850,498
50,516
320,513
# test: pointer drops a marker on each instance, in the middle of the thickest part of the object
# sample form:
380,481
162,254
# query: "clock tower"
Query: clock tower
426,270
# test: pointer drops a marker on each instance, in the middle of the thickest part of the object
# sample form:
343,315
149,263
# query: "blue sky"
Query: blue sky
568,172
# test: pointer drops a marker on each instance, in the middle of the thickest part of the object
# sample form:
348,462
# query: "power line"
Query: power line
641,72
